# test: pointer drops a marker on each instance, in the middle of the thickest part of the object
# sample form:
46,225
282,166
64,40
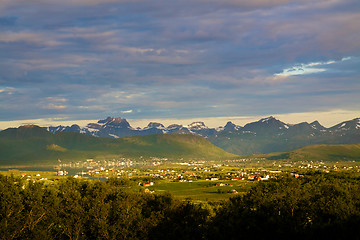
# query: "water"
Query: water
71,171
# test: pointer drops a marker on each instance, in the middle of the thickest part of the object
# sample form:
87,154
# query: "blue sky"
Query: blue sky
75,60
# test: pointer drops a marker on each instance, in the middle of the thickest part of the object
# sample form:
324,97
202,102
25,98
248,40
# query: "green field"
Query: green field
323,152
202,190
31,175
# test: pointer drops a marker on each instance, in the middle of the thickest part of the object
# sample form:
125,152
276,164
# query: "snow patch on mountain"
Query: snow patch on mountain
113,135
263,120
197,126
154,125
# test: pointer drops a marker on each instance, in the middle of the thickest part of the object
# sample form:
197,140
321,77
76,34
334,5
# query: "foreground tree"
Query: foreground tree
316,206
312,207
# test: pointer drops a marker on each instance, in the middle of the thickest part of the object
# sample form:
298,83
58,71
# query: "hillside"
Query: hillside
344,152
32,144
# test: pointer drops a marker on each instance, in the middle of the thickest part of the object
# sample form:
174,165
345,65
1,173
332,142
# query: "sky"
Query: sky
75,61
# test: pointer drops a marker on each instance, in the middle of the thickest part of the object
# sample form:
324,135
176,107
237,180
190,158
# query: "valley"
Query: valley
186,164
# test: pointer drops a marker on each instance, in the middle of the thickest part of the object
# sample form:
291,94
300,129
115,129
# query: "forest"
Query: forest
315,206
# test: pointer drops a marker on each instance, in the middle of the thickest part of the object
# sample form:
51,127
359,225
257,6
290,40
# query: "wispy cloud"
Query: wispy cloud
309,68
52,106
7,90
29,37
127,111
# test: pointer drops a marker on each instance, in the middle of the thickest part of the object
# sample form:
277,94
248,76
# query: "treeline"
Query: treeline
316,206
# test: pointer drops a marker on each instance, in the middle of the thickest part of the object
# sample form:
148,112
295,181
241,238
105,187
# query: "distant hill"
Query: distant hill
24,132
263,136
343,152
32,144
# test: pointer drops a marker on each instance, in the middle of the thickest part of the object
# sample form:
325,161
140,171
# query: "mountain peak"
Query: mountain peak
115,122
229,123
174,126
231,127
317,125
347,125
155,125
29,126
269,125
268,119
106,120
197,125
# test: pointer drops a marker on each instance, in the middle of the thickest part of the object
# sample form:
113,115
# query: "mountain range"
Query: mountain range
31,144
263,136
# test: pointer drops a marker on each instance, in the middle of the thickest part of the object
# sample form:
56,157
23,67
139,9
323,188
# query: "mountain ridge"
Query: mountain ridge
262,136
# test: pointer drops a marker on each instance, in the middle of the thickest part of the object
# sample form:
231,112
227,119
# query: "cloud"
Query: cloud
127,111
55,99
29,37
308,68
52,106
7,90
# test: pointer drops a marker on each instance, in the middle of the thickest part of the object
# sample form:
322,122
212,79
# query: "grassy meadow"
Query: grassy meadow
201,190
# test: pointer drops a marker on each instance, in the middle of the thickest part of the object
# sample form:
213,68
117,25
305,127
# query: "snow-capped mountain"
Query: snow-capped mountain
230,127
266,135
352,125
73,128
197,126
266,126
